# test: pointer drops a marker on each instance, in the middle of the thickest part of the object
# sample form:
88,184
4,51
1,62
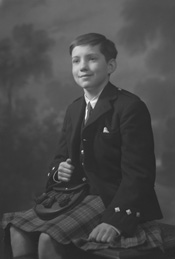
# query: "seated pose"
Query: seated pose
111,148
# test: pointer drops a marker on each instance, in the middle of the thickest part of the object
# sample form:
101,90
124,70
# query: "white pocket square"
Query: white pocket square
105,130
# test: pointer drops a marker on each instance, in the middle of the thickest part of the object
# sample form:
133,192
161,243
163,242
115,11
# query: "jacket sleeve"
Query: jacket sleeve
137,166
62,150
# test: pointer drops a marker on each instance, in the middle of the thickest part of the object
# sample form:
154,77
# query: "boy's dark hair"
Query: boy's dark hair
107,47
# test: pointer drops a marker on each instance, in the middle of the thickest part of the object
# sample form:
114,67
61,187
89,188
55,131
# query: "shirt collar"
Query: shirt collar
94,100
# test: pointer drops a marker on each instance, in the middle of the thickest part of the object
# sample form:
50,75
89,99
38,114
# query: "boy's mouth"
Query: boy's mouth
85,75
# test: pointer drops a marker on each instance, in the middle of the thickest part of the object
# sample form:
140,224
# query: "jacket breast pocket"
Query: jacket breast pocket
110,134
111,138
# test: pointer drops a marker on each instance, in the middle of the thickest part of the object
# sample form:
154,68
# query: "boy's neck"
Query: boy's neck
92,93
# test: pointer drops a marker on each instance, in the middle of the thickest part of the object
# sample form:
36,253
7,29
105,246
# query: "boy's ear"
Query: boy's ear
112,65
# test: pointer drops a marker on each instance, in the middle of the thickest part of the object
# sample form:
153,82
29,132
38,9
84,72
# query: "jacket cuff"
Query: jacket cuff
125,220
52,174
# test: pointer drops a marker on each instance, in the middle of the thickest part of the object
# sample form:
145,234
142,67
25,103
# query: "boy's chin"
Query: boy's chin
86,86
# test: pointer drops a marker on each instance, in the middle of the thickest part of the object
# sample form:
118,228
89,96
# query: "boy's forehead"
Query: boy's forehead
86,49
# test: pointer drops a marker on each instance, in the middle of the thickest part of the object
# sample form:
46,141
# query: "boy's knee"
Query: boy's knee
44,239
14,232
49,248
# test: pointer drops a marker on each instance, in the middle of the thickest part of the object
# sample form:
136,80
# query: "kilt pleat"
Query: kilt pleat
74,226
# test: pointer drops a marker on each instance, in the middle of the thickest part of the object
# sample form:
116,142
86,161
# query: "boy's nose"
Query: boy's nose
83,65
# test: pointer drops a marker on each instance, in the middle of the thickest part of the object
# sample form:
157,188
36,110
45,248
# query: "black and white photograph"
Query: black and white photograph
87,129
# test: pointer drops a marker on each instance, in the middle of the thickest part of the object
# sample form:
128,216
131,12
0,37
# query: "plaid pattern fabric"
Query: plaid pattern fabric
75,225
147,236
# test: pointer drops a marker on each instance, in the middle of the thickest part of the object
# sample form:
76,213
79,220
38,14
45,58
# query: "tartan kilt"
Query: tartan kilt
74,226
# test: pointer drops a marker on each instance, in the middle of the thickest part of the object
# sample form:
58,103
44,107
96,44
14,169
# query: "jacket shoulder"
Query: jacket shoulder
124,94
75,102
128,103
77,99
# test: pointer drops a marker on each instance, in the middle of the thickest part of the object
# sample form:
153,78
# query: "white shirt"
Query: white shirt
93,101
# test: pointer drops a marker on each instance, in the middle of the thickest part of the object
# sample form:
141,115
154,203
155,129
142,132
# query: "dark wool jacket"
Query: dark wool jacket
119,158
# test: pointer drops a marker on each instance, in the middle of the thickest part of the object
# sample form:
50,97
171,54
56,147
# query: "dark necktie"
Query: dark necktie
89,111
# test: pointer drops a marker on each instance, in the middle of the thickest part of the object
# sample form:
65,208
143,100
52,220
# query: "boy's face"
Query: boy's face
89,67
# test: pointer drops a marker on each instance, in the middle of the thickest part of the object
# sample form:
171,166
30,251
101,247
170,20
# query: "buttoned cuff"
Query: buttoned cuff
125,220
55,177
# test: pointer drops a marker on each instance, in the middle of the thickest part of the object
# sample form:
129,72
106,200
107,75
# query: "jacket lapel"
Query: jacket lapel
104,103
77,116
77,113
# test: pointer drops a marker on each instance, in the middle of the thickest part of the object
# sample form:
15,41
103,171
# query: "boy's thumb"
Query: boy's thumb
69,161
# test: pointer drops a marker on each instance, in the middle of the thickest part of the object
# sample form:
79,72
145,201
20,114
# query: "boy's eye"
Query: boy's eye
93,58
75,61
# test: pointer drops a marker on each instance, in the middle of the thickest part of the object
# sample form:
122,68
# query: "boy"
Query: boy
106,141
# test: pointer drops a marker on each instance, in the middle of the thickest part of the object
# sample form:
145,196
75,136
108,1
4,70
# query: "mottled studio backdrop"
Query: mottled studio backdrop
36,84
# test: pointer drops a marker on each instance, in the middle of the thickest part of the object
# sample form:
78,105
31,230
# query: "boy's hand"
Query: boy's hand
103,233
65,170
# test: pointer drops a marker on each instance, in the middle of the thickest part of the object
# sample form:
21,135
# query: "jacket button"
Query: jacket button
137,214
128,211
82,151
84,179
84,140
82,164
117,209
